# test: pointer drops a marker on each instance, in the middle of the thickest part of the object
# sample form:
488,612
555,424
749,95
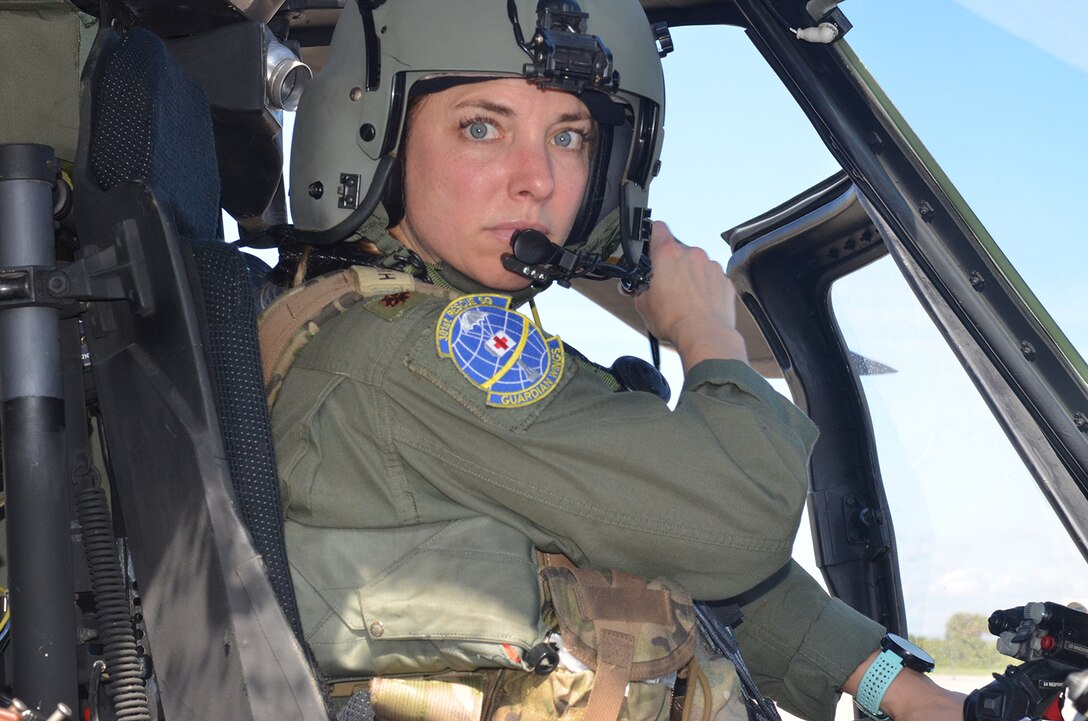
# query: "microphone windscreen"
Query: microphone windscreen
532,247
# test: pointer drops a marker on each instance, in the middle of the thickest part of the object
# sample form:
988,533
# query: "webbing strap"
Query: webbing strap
286,326
617,608
615,652
626,599
284,318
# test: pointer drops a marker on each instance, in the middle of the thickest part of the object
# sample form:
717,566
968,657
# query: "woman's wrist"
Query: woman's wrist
911,695
719,342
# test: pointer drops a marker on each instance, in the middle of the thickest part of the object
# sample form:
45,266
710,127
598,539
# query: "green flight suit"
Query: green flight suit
378,437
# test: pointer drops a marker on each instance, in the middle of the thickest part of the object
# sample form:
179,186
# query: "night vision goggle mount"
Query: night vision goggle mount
564,56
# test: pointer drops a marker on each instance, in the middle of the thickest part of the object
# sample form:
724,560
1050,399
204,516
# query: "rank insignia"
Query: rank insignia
499,350
392,305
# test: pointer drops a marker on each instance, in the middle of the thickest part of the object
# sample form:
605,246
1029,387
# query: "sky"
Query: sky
998,92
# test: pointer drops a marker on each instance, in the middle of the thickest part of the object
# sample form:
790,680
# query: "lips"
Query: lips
505,230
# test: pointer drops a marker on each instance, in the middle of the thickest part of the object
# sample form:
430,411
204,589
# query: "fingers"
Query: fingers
686,284
660,236
668,253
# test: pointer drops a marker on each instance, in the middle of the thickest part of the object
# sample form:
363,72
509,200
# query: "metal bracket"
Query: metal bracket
865,524
564,55
819,9
116,273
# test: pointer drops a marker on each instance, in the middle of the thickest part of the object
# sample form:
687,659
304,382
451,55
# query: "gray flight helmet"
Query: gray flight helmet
350,122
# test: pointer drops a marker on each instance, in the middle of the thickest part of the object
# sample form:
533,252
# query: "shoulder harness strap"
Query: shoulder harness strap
288,324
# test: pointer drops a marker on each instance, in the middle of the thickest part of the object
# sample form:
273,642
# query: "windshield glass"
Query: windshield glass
998,92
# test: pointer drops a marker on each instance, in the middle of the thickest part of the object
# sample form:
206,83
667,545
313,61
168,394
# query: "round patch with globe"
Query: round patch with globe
499,350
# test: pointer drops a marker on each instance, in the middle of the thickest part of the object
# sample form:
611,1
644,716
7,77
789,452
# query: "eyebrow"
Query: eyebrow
508,112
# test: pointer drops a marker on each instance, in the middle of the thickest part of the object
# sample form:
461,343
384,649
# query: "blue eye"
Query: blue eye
480,129
568,139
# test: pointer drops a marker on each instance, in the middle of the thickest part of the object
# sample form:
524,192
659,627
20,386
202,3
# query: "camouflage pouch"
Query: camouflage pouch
565,695
713,689
625,629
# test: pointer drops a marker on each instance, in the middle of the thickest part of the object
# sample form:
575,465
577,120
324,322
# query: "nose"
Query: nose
532,170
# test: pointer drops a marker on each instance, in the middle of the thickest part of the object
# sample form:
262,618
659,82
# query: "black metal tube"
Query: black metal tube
35,462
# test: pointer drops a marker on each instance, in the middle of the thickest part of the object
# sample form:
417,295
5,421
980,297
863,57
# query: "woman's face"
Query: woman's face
485,159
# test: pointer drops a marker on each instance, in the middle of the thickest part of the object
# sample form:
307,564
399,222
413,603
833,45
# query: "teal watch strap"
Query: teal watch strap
875,682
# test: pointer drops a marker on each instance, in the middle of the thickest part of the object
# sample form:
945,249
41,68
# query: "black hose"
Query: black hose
115,629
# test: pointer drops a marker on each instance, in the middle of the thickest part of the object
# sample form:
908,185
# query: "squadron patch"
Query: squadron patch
499,350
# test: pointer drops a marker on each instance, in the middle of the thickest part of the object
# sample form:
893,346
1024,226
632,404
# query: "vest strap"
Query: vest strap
293,319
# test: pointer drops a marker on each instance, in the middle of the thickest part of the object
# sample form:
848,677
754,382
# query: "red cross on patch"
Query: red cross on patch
499,343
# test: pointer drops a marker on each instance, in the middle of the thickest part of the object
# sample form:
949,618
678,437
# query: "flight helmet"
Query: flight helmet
350,126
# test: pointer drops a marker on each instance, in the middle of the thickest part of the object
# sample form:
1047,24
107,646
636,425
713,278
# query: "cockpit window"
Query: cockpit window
1000,99
736,145
973,530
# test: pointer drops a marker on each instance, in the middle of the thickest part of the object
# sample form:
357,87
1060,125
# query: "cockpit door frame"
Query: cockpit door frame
1033,380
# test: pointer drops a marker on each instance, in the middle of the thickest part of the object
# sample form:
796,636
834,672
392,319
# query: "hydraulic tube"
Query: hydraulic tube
43,637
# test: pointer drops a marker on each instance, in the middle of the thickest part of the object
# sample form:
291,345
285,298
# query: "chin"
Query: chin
511,285
504,281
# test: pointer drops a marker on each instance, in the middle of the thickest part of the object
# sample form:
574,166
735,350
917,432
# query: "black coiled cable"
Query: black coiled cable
115,629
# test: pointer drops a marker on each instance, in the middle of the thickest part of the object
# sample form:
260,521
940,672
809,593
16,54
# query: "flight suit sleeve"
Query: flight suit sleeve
800,644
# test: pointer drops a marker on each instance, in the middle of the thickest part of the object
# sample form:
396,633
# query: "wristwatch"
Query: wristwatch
897,653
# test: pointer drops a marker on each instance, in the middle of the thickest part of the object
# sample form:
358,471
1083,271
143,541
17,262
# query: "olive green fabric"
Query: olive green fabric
43,44
366,612
801,644
375,431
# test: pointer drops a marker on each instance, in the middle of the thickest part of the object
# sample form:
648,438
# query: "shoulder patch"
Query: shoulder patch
499,350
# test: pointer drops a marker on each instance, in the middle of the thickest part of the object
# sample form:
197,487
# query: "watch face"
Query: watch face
913,656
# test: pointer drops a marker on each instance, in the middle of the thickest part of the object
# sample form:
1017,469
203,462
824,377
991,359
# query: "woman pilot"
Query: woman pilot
431,439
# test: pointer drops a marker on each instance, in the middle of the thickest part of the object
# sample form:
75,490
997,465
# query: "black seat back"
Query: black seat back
182,408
